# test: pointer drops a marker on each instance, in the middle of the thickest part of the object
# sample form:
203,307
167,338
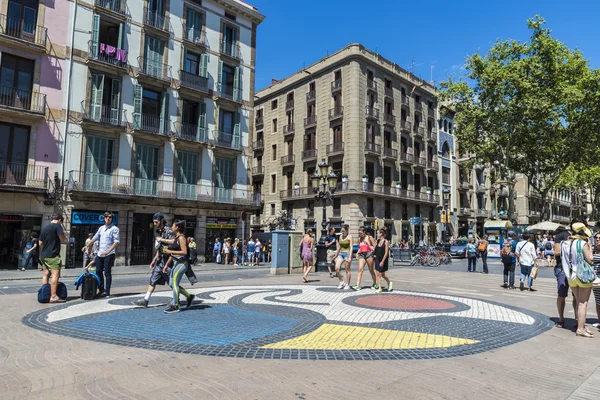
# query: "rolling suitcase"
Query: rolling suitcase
89,287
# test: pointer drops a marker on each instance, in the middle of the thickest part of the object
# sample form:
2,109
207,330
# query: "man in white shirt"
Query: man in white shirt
526,256
108,235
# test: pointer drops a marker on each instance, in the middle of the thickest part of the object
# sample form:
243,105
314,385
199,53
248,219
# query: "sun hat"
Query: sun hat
581,231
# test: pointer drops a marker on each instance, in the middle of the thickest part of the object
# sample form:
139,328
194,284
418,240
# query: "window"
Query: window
229,40
229,81
418,99
404,212
224,179
310,141
445,126
430,105
105,99
146,170
16,80
108,33
98,162
388,210
22,19
258,162
272,210
312,87
150,110
274,104
370,133
450,127
153,57
193,26
417,182
370,208
289,178
388,84
274,125
389,108
403,91
274,153
337,75
338,137
14,151
187,175
193,120
273,183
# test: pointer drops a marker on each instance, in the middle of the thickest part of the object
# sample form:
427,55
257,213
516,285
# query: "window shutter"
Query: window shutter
234,51
95,34
220,76
137,106
224,44
204,65
115,102
190,21
201,135
97,92
121,31
236,84
236,143
164,113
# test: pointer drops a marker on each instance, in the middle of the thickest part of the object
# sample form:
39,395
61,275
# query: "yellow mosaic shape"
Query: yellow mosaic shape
343,337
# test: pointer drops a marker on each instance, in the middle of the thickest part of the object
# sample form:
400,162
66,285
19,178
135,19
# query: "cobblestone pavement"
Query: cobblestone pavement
439,334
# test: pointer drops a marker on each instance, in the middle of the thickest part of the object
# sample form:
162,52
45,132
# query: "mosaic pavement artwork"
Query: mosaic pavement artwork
299,322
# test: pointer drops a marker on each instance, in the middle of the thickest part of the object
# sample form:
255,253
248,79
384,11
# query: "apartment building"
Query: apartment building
373,122
448,170
162,95
33,39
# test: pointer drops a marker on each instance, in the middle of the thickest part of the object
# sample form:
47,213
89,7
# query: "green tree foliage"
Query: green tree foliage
528,106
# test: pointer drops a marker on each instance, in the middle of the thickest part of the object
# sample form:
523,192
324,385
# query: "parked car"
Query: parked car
457,250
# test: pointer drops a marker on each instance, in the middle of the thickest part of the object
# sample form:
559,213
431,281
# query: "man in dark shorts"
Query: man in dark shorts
164,237
51,237
561,278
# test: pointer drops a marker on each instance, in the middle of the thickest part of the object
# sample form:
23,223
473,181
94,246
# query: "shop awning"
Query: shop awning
497,224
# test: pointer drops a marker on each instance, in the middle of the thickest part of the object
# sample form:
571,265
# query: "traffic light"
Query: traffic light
445,217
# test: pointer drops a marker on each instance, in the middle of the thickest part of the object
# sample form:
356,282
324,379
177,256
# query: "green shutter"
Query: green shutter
121,31
220,77
224,45
237,135
164,113
95,34
236,84
115,102
234,42
98,164
190,21
97,93
137,106
146,170
204,65
201,135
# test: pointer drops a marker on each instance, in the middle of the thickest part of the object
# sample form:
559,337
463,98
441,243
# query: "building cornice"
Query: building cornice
245,9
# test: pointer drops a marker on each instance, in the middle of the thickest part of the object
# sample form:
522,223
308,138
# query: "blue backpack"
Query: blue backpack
44,292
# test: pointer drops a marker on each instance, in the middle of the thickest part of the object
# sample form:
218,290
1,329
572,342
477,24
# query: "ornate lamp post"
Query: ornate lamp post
446,196
324,185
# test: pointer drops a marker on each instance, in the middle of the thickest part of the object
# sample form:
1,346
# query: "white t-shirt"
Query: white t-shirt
526,252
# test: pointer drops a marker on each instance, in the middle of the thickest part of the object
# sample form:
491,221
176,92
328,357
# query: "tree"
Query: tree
523,108
282,222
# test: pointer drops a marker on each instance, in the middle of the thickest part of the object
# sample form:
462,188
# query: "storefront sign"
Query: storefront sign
221,223
90,218
12,218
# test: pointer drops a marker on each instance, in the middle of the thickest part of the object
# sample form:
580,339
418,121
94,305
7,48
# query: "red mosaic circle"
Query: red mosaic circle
407,303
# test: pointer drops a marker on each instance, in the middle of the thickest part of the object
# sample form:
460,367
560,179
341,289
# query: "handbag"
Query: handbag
585,272
534,272
219,258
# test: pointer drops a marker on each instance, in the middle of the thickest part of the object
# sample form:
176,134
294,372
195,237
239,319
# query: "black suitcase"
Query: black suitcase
89,287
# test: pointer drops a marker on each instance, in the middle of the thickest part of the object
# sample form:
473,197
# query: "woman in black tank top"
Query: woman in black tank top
382,255
178,252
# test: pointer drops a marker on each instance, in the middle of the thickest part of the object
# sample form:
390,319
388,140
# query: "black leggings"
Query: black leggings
473,262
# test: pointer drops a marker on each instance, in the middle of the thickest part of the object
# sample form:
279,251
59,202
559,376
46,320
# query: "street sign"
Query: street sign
415,221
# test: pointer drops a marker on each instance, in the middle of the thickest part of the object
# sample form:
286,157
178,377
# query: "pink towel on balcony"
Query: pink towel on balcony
122,56
102,48
111,51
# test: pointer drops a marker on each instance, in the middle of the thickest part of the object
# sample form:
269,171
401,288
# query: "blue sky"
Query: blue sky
434,32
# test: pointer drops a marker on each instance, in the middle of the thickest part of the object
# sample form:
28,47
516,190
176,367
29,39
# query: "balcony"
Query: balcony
371,113
311,121
115,6
151,124
372,148
259,145
389,119
259,121
288,160
431,164
101,114
21,34
255,220
418,106
309,155
195,37
293,194
289,129
464,185
431,135
107,58
193,81
17,177
405,126
419,130
335,149
336,213
125,185
389,153
231,50
226,140
480,187
22,102
336,113
406,158
311,96
289,105
372,85
156,20
464,211
357,187
258,171
421,162
336,85
534,214
228,92
389,92
151,70
192,133
482,213
404,100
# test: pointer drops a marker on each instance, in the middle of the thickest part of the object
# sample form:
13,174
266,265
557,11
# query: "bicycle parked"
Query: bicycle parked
430,257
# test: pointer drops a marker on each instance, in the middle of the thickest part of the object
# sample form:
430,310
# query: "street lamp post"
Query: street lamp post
324,185
446,196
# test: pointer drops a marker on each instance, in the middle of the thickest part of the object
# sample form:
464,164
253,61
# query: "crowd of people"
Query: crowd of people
241,252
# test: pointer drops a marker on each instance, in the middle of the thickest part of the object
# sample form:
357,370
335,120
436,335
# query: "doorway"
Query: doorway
142,244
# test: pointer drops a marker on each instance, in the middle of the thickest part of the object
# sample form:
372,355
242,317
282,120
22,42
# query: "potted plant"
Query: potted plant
123,188
365,179
398,184
428,190
345,178
297,188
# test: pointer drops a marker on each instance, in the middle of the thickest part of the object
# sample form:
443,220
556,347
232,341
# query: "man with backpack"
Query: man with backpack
51,237
509,259
526,255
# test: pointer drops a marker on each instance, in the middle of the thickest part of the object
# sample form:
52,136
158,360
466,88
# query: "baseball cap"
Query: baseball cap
158,216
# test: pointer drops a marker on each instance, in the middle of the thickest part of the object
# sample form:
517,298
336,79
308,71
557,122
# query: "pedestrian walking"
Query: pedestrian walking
178,253
32,253
596,290
330,245
236,251
549,252
382,255
270,251
365,255
561,279
257,251
109,237
509,260
482,247
343,256
471,254
526,257
51,237
251,261
216,250
192,250
307,243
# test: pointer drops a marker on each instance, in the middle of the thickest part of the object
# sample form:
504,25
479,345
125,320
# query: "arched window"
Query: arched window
445,126
445,150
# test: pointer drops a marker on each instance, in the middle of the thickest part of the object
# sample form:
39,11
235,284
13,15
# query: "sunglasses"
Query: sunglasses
108,217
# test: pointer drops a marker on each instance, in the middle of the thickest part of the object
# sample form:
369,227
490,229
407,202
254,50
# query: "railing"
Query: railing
431,134
229,92
287,160
336,112
371,112
335,148
409,158
227,140
420,161
336,213
404,99
405,125
19,29
308,121
260,170
310,214
258,145
150,123
107,54
432,164
28,175
194,35
193,81
192,132
534,213
156,19
23,99
482,212
336,85
446,179
154,68
118,6
418,106
101,113
164,189
255,220
259,121
385,190
289,105
419,130
311,96
464,185
390,153
230,49
309,154
299,193
372,147
289,128
389,92
464,211
389,118
371,84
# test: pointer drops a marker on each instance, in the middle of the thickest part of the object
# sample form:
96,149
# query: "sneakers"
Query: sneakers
331,275
390,287
347,287
375,287
378,291
190,300
140,303
512,287
522,286
504,285
341,285
532,289
356,287
171,309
